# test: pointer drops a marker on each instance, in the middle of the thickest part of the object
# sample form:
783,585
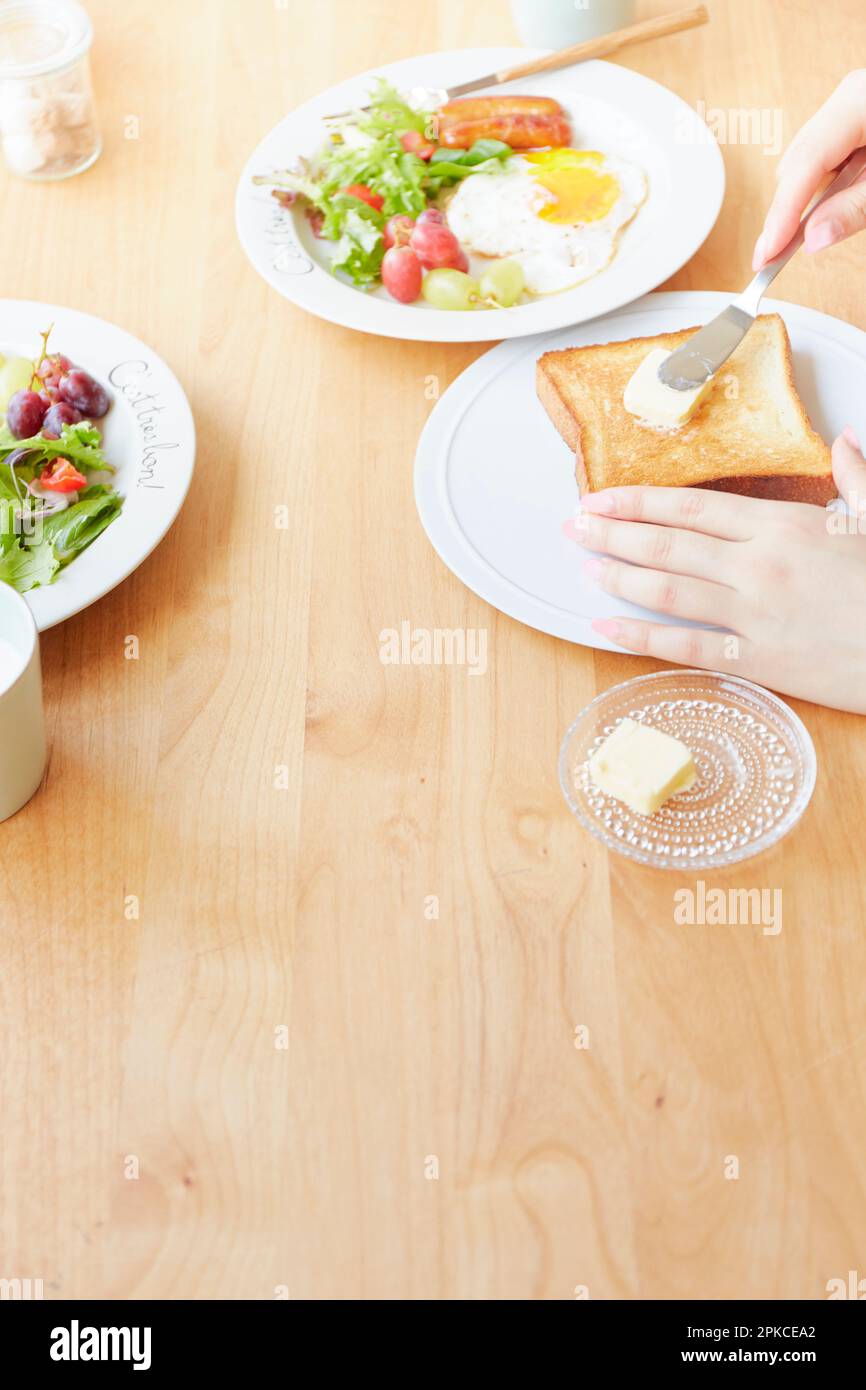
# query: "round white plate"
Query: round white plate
612,109
494,481
148,435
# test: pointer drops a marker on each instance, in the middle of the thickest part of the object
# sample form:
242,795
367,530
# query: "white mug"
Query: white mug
561,23
22,725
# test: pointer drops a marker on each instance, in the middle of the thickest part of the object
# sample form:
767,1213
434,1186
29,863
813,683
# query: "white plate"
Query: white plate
612,109
494,481
148,435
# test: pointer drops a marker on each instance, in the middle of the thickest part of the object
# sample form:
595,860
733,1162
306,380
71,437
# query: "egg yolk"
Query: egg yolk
583,191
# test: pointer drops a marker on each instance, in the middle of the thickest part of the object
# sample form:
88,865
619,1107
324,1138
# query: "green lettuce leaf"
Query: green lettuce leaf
449,166
389,112
8,530
478,153
7,485
29,569
71,531
81,444
359,251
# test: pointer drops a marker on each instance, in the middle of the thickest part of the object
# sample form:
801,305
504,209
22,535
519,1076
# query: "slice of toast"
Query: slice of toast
749,434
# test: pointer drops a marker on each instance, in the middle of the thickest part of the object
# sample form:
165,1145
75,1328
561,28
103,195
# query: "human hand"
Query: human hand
825,141
781,576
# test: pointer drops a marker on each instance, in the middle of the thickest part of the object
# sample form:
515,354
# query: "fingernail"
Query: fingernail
592,568
824,234
607,627
574,529
758,255
598,502
849,434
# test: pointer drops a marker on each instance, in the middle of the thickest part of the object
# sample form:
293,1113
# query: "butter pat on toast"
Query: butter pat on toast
749,434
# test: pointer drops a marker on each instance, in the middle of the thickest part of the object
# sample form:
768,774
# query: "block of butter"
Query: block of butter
641,766
647,397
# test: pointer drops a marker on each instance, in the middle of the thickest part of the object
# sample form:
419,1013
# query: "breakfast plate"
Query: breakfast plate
494,481
638,123
148,436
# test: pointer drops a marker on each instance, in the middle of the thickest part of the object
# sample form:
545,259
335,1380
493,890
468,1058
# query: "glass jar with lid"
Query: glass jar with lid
48,125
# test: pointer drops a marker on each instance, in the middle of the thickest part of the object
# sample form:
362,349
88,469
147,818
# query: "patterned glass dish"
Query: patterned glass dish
754,758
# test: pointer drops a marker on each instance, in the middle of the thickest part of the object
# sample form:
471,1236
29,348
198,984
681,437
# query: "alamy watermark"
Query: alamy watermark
853,1287
21,1290
715,907
738,125
846,517
434,646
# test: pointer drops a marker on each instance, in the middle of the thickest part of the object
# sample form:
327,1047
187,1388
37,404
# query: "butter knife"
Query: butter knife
703,355
601,47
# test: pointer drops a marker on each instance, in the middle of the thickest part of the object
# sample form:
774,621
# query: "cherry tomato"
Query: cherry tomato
365,194
62,476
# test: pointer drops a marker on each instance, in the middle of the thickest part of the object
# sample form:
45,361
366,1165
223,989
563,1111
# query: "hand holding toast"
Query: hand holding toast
787,579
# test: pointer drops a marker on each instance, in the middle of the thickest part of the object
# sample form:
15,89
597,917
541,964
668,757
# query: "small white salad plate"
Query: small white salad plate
148,436
494,481
612,109
754,760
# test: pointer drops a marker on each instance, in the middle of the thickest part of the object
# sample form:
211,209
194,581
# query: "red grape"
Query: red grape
430,215
78,388
402,274
54,366
435,245
56,417
398,229
25,413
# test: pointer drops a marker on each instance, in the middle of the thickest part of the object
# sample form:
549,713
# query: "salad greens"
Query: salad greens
484,157
41,531
81,443
69,532
367,152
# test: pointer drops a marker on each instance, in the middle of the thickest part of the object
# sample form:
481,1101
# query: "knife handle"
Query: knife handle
609,43
849,173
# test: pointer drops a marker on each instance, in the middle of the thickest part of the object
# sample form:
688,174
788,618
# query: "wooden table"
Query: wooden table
335,1052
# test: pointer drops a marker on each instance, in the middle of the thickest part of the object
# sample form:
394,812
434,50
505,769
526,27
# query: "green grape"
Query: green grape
450,289
15,374
503,281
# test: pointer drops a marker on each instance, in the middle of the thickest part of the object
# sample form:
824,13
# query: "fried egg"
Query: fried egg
558,212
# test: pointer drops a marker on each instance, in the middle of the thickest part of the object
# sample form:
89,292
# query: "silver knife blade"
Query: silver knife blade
703,354
427,98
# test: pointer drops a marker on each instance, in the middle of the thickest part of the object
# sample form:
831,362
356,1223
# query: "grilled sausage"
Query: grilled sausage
524,123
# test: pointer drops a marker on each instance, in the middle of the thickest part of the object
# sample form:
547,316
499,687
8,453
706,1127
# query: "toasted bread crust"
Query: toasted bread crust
556,406
759,437
819,489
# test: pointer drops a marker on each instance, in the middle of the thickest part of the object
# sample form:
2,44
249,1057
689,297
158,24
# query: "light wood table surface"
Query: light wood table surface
285,808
